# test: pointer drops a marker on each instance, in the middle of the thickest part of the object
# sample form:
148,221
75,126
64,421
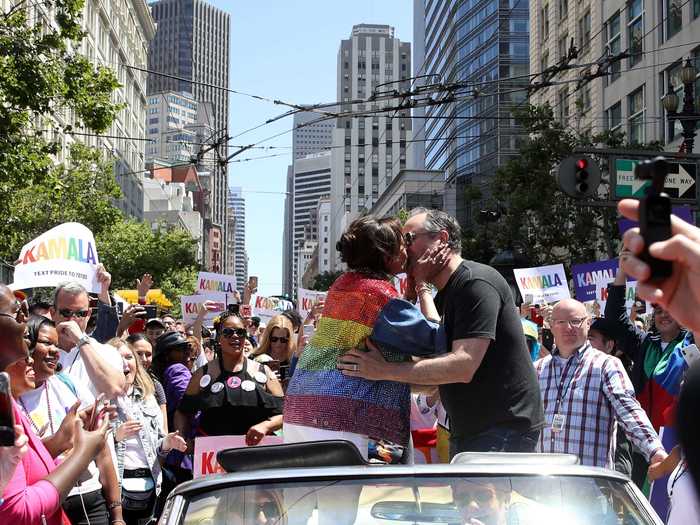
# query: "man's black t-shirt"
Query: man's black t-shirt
477,302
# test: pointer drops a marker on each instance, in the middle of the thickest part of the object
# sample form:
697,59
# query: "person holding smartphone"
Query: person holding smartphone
35,487
277,344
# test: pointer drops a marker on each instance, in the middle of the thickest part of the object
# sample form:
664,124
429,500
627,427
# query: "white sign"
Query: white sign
192,303
216,282
601,296
307,299
546,284
64,253
206,448
268,307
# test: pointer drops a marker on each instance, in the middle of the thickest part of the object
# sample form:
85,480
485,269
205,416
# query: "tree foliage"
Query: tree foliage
324,280
42,80
533,214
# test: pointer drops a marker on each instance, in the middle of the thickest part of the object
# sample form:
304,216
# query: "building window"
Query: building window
614,44
563,44
563,105
584,32
563,8
674,17
614,116
635,31
544,61
635,106
544,26
696,8
585,100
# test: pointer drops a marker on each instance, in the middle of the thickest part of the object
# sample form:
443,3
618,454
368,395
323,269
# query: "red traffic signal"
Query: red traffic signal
578,176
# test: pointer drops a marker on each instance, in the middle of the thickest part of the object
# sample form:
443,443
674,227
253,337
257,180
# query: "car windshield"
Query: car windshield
477,500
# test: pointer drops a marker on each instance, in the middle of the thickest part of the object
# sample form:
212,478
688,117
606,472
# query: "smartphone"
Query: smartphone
253,282
7,416
120,308
273,365
233,308
245,310
95,412
309,330
690,354
547,339
284,372
151,311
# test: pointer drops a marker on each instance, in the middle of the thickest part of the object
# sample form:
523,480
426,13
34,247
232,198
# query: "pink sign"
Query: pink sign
206,448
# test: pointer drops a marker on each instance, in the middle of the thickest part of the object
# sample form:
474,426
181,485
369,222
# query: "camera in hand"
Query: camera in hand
655,214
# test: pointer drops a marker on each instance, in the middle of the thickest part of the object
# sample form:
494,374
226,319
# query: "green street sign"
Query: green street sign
680,181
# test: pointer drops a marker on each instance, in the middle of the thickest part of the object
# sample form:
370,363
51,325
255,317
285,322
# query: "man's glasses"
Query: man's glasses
234,332
65,312
573,323
410,237
283,340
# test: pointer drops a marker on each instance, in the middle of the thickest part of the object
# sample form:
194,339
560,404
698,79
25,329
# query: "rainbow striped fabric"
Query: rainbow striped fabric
320,396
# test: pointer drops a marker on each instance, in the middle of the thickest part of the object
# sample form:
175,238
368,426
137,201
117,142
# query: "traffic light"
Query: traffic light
578,176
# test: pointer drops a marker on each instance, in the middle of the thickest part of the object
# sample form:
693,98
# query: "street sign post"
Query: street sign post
681,182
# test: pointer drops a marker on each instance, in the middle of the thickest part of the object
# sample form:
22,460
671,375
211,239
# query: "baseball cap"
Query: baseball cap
155,321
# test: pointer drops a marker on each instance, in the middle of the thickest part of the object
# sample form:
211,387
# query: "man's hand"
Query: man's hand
430,263
368,365
68,334
130,315
657,466
678,294
143,285
105,279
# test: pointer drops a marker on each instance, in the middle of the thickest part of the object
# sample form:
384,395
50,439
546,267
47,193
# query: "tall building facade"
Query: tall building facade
117,32
311,137
288,234
368,150
658,36
236,204
312,180
192,43
482,44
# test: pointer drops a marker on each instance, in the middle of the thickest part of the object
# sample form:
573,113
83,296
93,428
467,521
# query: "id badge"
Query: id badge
558,422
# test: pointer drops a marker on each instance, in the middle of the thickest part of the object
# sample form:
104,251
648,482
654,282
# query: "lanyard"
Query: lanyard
561,389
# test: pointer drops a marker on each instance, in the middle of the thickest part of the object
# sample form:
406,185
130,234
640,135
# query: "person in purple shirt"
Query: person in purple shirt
170,364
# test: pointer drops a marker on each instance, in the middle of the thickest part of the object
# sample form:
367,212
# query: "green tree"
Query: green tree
323,281
550,226
130,248
42,79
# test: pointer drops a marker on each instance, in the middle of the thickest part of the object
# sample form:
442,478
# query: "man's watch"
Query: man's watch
84,340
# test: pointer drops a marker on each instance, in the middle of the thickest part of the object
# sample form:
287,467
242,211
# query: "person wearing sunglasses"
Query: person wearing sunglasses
234,394
32,486
277,345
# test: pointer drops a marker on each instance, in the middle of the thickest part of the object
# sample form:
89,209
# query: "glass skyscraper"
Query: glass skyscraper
483,44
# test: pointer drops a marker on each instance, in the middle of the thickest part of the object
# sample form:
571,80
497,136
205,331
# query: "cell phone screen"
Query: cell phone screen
7,417
151,311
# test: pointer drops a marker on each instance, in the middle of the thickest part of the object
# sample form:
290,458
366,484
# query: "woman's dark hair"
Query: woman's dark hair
34,324
135,338
368,241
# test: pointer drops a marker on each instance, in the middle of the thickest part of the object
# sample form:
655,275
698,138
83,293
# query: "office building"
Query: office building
312,133
236,204
192,43
368,151
287,235
312,180
411,189
481,44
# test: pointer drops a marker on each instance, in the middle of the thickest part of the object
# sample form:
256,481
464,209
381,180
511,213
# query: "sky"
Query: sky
285,50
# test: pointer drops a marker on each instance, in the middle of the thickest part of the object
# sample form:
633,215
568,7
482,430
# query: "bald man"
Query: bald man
586,393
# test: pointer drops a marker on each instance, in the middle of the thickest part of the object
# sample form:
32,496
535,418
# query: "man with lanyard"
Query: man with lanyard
586,393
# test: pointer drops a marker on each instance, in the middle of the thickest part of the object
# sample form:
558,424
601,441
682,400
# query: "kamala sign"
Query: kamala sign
64,253
546,284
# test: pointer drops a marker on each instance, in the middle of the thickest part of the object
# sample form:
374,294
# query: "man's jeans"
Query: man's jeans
495,439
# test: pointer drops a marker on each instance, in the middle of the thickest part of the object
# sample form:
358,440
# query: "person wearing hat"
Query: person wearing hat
154,329
601,335
172,352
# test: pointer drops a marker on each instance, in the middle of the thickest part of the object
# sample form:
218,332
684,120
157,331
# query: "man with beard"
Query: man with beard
487,383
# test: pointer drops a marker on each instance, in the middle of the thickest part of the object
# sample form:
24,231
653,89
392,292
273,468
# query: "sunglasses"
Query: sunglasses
65,312
282,340
410,237
234,332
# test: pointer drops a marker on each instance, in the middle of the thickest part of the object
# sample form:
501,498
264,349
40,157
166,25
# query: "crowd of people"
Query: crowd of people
107,408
